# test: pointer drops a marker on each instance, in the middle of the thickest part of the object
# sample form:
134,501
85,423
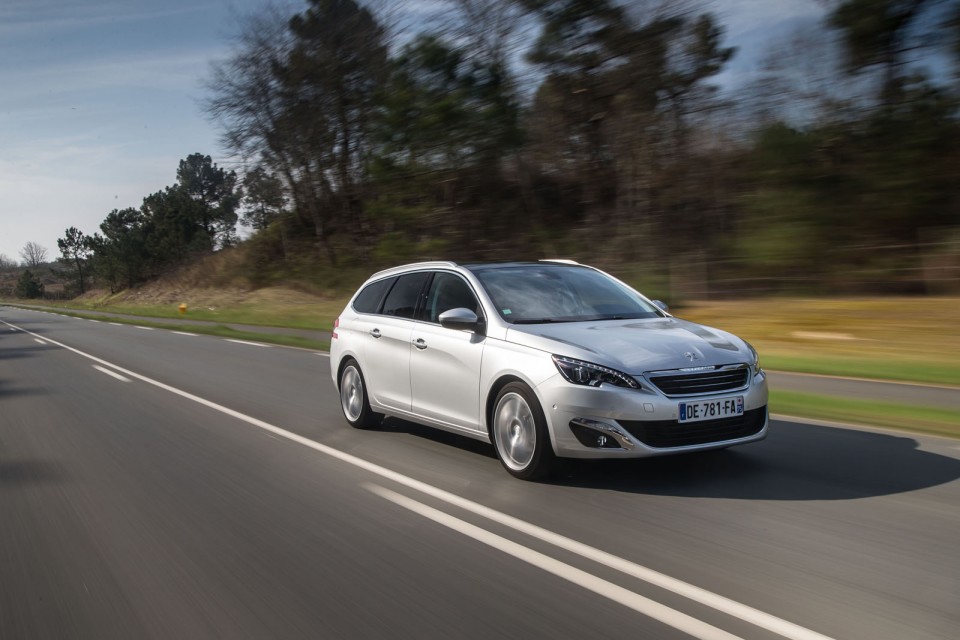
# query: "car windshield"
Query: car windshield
535,294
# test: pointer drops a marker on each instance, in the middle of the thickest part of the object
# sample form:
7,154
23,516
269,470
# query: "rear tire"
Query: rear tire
353,398
520,433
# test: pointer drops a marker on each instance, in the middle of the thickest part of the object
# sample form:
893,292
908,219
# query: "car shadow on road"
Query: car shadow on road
795,462
9,389
12,353
22,472
396,425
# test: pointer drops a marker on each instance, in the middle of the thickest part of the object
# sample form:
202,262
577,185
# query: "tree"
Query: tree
122,254
264,199
302,104
33,255
446,124
29,285
490,33
171,227
442,109
7,264
881,34
74,251
215,191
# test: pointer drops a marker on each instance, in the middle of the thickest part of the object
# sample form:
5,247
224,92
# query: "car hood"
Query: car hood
635,346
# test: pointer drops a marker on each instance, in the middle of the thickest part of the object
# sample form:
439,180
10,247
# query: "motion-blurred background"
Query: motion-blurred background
794,192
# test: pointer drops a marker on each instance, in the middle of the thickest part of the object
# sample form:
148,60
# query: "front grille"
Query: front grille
666,434
701,382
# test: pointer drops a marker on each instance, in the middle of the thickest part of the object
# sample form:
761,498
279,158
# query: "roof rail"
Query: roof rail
560,260
421,265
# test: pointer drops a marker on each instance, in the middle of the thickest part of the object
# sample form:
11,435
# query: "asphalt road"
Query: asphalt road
193,487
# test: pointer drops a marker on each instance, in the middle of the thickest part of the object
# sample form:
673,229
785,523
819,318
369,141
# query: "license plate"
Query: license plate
711,409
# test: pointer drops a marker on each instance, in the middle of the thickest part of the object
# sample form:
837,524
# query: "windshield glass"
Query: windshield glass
533,294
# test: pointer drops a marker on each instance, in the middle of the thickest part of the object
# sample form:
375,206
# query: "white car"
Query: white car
544,360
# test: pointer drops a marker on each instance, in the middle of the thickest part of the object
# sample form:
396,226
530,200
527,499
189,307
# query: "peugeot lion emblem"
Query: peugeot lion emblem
689,355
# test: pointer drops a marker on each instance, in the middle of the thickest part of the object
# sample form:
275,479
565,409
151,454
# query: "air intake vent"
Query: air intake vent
700,382
667,434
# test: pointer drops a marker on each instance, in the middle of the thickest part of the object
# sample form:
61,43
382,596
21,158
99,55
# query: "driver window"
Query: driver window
448,291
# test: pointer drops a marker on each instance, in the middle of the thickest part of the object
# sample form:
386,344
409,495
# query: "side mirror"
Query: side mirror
662,305
462,319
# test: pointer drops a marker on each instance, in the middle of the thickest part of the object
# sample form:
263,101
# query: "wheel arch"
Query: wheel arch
491,400
344,359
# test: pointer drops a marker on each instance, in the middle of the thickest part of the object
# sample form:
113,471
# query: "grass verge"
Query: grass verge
907,417
889,338
901,370
213,330
314,316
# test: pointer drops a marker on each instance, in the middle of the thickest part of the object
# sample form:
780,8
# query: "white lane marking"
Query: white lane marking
252,344
145,328
92,320
116,324
111,373
184,333
627,598
39,340
708,598
320,353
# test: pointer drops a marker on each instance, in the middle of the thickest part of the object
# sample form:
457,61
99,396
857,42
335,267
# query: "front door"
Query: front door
445,363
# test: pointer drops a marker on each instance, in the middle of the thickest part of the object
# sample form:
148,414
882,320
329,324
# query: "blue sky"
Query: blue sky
100,99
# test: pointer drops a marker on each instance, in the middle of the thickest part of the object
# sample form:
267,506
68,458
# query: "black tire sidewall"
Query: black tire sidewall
366,418
543,456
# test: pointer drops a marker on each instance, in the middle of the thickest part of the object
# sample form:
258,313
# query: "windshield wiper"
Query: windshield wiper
546,320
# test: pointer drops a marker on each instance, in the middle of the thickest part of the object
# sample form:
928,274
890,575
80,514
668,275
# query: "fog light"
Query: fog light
598,435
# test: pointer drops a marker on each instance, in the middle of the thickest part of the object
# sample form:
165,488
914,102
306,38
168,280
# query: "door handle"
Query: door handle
375,333
420,343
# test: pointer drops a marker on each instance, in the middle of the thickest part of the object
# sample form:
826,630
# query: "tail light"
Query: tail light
336,323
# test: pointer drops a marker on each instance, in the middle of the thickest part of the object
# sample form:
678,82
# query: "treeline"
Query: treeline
193,217
505,129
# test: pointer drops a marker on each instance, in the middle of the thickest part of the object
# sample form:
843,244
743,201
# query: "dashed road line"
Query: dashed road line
252,344
111,373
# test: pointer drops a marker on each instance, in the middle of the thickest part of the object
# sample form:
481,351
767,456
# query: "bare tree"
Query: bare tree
488,29
7,263
33,255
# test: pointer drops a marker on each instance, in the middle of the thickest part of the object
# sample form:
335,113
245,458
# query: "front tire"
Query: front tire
520,433
353,398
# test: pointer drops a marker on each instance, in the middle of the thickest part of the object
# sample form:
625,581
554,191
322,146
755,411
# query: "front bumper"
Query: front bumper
615,422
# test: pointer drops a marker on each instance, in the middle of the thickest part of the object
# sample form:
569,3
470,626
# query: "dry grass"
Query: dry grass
899,338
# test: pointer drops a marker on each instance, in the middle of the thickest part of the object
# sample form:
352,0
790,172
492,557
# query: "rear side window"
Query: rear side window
402,299
368,300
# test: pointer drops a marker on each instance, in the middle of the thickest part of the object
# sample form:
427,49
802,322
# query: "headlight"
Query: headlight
593,375
755,364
